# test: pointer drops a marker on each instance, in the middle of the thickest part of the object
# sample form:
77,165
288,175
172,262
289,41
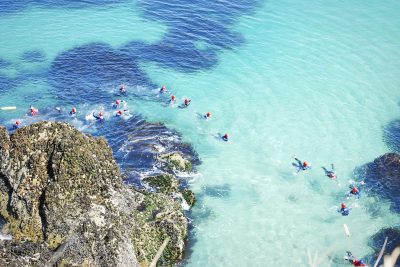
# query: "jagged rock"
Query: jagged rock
382,176
62,196
165,183
189,197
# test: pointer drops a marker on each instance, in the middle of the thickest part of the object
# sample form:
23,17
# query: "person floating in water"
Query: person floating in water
186,103
119,113
354,191
73,111
163,89
33,111
172,100
350,257
117,103
225,137
301,166
344,210
207,116
330,173
99,117
17,125
122,89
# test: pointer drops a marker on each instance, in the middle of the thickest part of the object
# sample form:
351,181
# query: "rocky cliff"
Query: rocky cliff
65,204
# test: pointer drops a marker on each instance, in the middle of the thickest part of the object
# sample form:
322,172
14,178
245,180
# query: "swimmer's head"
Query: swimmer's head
100,113
117,102
173,97
17,122
343,205
305,164
119,112
208,114
73,110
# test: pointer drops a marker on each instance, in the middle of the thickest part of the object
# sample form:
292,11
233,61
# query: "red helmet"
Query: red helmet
173,97
305,163
355,190
226,135
100,113
117,102
17,123
208,114
119,112
343,205
74,109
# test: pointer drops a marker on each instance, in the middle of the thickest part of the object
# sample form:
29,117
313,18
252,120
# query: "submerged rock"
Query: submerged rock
63,199
382,177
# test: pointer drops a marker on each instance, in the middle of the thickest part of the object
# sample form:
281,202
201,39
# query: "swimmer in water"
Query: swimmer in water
99,117
186,103
301,166
344,210
17,125
117,103
73,111
172,100
331,174
33,111
119,113
163,89
207,116
354,191
225,137
350,257
122,89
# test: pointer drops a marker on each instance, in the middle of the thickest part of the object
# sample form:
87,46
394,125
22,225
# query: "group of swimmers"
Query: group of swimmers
117,104
344,210
186,104
99,116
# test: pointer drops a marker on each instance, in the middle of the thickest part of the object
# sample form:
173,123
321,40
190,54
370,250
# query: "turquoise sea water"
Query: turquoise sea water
319,80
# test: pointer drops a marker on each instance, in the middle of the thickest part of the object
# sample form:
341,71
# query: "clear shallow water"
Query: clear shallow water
319,80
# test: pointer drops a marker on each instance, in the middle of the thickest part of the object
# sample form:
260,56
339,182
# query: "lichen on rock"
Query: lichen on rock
62,196
175,161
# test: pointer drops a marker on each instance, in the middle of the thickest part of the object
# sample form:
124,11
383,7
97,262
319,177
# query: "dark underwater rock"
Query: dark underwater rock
62,196
382,177
377,240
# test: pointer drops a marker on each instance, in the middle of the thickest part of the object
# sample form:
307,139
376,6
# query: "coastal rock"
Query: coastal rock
174,161
382,177
63,199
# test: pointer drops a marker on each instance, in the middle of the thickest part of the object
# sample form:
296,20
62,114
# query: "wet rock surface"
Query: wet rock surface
64,202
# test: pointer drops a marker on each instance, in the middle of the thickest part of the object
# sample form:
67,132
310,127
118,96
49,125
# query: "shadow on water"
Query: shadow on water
391,135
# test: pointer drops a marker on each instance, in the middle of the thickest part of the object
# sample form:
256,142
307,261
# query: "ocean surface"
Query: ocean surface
316,79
